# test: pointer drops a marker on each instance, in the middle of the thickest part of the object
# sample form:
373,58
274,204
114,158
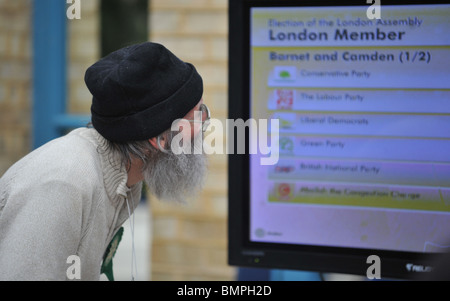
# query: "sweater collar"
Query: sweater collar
115,175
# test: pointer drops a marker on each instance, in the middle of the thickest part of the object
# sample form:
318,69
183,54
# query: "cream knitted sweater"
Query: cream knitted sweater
66,198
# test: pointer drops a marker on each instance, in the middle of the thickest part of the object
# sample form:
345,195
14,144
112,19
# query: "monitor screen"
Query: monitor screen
361,163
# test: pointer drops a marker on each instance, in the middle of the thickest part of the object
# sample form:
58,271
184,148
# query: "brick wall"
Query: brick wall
83,49
15,81
190,242
16,72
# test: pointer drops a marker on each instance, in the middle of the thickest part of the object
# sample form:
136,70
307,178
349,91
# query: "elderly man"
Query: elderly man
70,197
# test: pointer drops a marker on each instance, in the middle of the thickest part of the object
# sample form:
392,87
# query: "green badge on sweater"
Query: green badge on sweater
107,265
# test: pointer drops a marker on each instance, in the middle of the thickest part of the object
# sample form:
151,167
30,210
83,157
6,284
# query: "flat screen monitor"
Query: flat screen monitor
347,151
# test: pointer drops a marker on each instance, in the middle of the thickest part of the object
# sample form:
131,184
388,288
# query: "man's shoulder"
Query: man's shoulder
66,166
73,156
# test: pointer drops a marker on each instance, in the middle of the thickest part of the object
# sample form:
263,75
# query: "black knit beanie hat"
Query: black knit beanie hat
138,91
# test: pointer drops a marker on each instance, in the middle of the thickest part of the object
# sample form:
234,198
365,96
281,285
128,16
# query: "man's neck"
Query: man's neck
135,173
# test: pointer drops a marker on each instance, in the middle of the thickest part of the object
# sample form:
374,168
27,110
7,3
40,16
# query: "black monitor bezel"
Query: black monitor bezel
243,252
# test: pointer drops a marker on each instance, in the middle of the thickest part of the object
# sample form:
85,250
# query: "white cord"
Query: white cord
133,250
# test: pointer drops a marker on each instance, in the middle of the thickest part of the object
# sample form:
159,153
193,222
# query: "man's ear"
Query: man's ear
154,142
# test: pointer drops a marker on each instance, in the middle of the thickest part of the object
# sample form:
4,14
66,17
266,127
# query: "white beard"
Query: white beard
176,178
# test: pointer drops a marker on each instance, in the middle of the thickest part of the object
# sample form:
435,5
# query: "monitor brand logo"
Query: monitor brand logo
411,267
